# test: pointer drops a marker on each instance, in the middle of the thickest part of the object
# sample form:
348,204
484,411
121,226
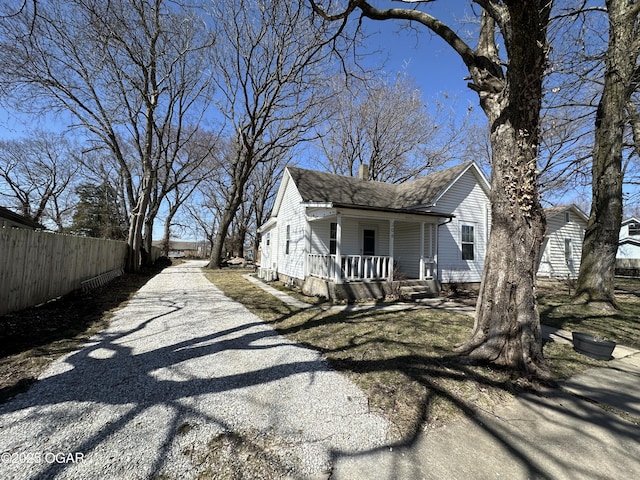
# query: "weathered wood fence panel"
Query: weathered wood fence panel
39,266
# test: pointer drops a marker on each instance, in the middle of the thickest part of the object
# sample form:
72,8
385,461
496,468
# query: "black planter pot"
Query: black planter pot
592,347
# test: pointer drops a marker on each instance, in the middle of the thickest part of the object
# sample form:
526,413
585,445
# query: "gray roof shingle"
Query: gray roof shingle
324,187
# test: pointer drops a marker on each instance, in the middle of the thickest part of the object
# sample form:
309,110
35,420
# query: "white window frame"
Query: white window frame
287,244
464,242
568,250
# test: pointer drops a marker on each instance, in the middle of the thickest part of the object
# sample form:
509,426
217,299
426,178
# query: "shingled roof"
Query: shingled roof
557,210
323,187
15,219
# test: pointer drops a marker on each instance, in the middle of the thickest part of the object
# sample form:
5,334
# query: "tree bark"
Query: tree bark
507,327
597,266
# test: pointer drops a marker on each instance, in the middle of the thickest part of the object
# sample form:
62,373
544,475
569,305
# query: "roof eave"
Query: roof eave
394,210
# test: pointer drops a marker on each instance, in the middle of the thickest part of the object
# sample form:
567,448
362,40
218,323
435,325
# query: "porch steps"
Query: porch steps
417,289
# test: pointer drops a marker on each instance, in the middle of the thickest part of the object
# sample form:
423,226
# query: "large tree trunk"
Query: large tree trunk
135,239
507,326
245,163
215,261
597,266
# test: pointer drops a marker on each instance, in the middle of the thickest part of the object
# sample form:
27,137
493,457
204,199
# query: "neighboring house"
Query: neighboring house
562,247
343,236
12,219
629,243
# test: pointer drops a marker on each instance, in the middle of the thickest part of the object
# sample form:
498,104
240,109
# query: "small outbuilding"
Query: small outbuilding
629,243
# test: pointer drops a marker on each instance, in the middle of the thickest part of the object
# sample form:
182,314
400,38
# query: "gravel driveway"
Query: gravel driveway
185,382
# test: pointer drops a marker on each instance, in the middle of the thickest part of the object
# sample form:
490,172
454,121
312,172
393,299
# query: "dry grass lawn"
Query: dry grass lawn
401,359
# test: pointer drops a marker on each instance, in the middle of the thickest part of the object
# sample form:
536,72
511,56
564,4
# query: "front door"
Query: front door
368,242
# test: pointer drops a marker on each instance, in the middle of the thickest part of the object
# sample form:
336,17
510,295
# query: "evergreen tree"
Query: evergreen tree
99,213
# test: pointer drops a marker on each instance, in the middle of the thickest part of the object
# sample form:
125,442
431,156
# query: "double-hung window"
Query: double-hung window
288,240
467,242
568,251
333,238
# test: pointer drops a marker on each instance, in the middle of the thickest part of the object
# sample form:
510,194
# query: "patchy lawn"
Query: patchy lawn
622,326
33,338
401,359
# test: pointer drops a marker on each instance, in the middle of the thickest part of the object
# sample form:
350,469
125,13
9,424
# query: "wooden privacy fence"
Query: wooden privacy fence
39,266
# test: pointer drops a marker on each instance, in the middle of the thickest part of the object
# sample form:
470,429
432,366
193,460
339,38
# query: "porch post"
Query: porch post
337,272
421,250
391,238
307,248
434,252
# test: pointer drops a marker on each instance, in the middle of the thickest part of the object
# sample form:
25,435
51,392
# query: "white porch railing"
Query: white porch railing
322,266
359,267
353,267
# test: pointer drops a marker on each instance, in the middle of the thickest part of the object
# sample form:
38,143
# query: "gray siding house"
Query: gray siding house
337,236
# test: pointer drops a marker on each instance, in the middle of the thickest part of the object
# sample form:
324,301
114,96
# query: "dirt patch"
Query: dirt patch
32,338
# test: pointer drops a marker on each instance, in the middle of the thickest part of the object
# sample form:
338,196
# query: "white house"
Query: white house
562,247
629,243
345,236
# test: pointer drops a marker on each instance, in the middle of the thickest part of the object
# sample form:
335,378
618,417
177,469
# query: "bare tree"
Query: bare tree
597,267
37,176
509,87
270,62
262,192
386,125
180,177
120,68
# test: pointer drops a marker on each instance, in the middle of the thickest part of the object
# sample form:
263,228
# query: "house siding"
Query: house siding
406,248
292,214
320,231
553,262
469,203
268,249
628,250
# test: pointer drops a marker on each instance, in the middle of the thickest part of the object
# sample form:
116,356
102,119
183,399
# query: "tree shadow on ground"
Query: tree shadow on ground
443,377
131,382
31,338
124,382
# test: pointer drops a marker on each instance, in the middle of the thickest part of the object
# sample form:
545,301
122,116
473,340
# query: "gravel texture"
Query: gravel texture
186,383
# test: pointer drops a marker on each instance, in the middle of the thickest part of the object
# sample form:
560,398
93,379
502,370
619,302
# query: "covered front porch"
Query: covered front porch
347,245
354,268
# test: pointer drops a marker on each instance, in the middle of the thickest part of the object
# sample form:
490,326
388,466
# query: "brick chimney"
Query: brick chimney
363,172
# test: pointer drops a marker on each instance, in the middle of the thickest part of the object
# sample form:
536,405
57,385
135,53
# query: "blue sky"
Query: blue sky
425,57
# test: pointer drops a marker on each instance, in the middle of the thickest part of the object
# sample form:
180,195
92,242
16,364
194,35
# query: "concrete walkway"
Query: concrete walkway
588,429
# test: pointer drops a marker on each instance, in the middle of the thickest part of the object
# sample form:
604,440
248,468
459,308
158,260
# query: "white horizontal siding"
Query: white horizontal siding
292,214
406,248
628,251
320,232
268,248
469,203
553,262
